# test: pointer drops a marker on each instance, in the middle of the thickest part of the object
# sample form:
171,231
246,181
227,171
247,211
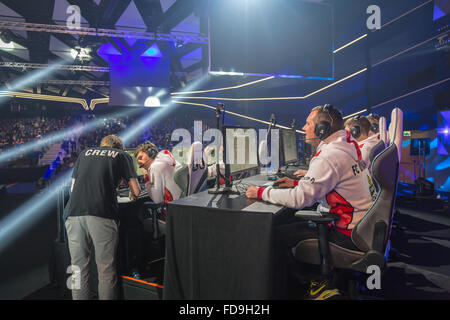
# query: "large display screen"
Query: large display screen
288,38
139,81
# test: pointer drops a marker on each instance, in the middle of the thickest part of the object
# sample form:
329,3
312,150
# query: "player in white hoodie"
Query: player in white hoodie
337,178
159,169
359,127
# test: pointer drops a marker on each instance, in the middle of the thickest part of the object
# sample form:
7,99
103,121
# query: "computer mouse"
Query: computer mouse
276,185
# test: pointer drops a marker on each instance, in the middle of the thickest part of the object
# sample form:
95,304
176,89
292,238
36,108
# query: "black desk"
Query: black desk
220,247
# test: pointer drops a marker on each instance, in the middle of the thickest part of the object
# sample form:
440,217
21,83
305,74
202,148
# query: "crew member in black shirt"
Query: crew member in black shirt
92,214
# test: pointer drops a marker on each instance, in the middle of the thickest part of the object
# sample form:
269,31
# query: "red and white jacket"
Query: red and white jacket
337,178
366,146
161,185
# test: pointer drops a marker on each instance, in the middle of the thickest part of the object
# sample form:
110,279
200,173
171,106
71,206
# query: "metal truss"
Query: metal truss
51,28
76,82
27,65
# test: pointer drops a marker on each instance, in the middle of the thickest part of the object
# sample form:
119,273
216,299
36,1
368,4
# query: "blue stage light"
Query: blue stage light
153,52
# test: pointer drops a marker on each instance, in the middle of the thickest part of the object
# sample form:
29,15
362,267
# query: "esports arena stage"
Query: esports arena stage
143,69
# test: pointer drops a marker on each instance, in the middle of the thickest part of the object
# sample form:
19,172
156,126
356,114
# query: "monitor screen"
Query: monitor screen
241,149
135,163
251,37
289,145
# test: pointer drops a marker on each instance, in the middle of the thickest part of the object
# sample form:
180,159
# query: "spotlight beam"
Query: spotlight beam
33,77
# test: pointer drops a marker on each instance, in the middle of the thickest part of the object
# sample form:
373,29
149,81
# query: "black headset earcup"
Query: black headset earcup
322,129
355,131
374,127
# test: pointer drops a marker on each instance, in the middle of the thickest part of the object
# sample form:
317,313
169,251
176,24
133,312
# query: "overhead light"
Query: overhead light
5,36
152,101
82,54
5,42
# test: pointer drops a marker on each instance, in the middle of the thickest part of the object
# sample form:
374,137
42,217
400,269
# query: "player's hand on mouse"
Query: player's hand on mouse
300,172
252,192
285,182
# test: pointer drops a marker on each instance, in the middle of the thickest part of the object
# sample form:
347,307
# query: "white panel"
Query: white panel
59,48
6,11
166,4
131,18
190,24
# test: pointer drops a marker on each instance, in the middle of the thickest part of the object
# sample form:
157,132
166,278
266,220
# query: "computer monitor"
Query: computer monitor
135,163
241,149
289,146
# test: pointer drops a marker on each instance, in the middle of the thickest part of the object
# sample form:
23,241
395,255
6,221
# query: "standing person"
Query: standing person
92,213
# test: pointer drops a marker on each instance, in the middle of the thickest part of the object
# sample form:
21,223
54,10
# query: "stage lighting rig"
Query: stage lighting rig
443,41
81,54
5,36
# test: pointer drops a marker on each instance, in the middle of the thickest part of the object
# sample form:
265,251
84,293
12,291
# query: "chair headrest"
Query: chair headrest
383,132
396,130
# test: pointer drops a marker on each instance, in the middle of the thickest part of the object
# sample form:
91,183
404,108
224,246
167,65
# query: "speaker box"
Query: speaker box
137,289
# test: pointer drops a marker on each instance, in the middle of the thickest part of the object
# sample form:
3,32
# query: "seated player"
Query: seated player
158,169
359,127
337,178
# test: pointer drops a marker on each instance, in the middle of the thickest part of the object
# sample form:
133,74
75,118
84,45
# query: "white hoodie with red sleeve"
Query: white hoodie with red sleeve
337,179
161,185
366,146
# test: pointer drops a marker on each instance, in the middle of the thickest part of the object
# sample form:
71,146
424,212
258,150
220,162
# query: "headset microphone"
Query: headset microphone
309,139
142,165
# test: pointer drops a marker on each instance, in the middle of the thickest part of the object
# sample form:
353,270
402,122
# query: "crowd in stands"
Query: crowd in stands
15,132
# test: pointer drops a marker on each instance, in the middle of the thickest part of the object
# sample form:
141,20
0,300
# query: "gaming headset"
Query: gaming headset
323,128
150,149
356,129
374,126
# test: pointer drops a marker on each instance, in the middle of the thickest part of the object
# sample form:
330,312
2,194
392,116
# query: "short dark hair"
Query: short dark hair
112,141
333,115
359,121
373,117
145,147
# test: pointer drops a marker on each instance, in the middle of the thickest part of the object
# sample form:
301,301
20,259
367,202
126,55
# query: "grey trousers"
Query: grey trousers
82,233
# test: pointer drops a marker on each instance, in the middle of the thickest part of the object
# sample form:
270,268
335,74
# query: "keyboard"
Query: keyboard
289,174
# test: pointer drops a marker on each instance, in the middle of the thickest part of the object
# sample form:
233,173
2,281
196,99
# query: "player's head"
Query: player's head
358,126
145,154
112,141
322,122
374,120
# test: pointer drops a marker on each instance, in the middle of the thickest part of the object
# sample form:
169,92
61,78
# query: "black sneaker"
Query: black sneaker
322,291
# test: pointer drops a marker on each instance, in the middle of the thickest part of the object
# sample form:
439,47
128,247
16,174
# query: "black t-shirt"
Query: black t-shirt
97,174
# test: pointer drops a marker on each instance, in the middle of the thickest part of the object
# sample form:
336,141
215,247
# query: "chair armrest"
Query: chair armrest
322,219
317,217
153,205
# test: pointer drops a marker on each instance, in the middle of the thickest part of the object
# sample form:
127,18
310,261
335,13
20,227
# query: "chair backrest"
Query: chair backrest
382,131
198,168
192,177
385,168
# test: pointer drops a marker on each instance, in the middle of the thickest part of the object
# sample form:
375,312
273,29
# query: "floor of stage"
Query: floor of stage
419,266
